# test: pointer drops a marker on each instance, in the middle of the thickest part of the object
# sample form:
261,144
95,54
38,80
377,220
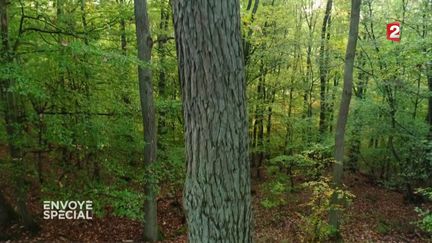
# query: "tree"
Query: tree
344,109
211,68
163,51
13,117
144,43
428,5
324,67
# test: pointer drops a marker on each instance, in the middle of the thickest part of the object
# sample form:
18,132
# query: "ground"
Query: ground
375,215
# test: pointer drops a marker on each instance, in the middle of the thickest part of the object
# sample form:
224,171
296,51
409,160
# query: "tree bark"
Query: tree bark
211,68
144,44
334,214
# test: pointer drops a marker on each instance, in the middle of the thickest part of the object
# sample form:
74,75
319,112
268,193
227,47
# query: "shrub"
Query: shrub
316,226
425,222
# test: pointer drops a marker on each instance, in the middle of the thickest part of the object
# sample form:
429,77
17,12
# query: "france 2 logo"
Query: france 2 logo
393,31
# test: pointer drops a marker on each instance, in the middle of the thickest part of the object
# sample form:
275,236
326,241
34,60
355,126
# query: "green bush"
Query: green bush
316,227
275,192
425,222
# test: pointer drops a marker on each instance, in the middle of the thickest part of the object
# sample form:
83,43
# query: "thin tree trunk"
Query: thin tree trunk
331,104
269,117
211,68
123,40
246,42
162,50
355,143
417,96
259,156
335,214
289,126
310,19
429,117
91,155
324,68
84,21
144,43
428,7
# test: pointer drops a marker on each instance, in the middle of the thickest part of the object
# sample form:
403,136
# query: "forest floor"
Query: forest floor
375,215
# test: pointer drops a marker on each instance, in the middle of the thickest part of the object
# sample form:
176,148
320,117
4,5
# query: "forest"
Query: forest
215,121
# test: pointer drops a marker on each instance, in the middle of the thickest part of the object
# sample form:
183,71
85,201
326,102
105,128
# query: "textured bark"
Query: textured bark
334,215
211,67
144,43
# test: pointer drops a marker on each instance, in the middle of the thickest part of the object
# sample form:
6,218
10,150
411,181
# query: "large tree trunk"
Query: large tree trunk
144,43
334,215
211,68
